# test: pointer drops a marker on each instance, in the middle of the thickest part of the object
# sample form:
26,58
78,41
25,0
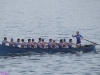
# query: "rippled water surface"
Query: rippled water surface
54,19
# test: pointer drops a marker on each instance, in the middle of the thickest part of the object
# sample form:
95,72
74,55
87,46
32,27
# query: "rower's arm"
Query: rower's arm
73,35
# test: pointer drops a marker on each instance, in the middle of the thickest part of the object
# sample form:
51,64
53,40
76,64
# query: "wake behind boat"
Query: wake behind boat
6,50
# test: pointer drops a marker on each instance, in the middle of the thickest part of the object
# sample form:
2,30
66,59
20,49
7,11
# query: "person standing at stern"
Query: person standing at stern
78,38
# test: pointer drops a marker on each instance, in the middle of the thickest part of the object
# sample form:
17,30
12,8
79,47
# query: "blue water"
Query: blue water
54,19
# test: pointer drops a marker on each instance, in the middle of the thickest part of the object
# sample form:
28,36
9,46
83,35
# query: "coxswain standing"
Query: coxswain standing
78,38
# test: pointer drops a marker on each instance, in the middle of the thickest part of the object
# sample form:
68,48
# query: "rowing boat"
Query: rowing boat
6,50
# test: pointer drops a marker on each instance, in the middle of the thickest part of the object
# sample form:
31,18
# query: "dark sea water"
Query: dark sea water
54,19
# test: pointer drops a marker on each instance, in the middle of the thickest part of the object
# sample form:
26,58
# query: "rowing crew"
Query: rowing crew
41,44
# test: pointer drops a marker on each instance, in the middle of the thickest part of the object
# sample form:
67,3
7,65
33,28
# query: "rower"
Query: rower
33,44
43,44
50,43
4,41
23,44
11,43
39,43
78,38
70,44
64,43
60,44
54,44
29,43
17,43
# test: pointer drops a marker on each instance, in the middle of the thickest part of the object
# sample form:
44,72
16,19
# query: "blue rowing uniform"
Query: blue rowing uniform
22,45
49,45
70,45
28,45
32,45
38,45
16,44
4,43
59,45
11,44
78,37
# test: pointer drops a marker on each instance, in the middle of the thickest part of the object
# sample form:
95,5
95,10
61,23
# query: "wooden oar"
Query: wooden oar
92,42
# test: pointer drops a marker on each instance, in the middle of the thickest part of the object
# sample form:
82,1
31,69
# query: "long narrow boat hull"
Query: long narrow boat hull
5,50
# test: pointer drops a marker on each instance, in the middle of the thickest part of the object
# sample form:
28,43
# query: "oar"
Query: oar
92,42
